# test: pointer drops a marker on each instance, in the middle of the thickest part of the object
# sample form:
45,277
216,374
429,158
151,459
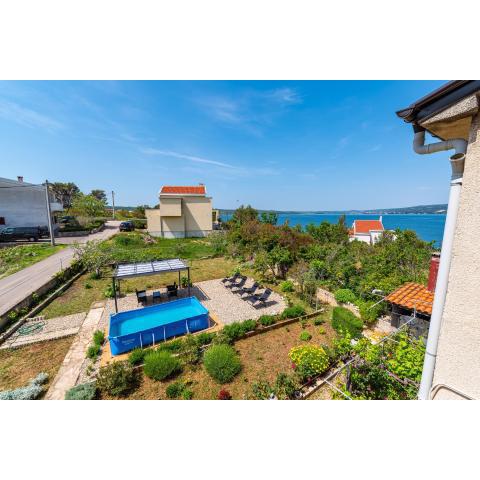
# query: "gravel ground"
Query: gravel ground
47,330
227,306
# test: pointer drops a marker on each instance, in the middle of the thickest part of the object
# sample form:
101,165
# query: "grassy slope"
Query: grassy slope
13,259
18,366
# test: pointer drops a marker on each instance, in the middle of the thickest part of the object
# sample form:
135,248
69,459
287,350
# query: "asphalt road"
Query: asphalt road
17,286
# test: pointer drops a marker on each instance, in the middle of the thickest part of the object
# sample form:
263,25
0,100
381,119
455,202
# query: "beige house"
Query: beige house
452,364
183,212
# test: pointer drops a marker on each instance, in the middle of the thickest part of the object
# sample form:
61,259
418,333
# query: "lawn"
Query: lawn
85,291
262,356
137,247
18,366
13,259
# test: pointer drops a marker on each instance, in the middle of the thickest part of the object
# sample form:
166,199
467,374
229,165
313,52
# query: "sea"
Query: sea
428,227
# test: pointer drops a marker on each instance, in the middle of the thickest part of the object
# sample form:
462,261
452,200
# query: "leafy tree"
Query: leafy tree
65,192
269,217
99,195
244,214
92,256
88,205
139,212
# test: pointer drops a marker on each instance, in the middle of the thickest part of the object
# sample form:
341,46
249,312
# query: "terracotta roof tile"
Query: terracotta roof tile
364,226
412,295
197,190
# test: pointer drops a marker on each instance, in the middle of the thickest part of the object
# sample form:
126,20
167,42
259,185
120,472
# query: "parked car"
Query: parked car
127,227
10,234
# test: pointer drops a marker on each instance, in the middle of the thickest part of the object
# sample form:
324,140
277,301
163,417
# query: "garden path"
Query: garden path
73,361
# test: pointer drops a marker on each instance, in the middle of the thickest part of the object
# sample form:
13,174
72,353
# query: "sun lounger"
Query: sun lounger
233,278
237,287
248,291
238,283
260,300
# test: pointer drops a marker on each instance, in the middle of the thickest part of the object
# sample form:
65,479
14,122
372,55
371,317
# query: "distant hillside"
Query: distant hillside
419,209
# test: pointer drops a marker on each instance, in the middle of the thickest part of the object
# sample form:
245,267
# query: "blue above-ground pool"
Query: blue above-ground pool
151,325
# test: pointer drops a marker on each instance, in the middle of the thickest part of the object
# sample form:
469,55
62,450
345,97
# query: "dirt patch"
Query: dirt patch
18,366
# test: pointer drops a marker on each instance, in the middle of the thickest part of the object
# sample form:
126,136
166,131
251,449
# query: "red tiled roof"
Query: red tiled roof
364,226
197,190
412,295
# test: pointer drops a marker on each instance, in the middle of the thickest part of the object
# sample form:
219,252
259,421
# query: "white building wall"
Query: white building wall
23,204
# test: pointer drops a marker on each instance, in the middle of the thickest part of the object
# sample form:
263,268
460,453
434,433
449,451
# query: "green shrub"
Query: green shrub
88,285
108,292
160,365
237,330
191,351
85,391
174,390
293,312
204,338
171,346
322,331
287,286
98,337
267,320
222,363
305,336
318,321
344,321
93,351
187,394
117,379
370,312
137,356
344,295
94,275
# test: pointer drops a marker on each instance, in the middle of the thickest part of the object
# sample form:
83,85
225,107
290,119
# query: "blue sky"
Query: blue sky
287,145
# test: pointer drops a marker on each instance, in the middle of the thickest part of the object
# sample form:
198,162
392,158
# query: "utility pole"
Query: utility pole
113,204
49,215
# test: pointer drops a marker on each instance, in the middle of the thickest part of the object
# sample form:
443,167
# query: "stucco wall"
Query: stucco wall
153,221
458,359
198,214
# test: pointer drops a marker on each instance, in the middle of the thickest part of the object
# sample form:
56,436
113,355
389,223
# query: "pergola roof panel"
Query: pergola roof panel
137,269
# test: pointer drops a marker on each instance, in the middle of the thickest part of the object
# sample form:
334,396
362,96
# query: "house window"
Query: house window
2,220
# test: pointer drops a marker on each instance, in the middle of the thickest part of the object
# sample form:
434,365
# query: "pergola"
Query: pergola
140,269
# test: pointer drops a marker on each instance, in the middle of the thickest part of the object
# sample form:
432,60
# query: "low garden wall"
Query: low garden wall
328,297
80,233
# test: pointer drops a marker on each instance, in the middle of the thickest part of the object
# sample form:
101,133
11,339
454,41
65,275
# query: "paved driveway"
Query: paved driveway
19,285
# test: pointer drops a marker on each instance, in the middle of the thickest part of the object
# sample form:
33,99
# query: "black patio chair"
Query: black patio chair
172,290
238,287
235,285
141,296
249,291
231,279
260,300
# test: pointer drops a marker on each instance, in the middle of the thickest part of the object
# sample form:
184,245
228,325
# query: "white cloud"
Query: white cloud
191,158
24,116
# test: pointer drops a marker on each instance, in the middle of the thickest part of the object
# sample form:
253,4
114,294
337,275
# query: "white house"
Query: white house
24,204
368,231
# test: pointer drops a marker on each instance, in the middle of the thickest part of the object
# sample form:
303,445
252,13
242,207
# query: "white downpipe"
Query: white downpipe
457,161
440,291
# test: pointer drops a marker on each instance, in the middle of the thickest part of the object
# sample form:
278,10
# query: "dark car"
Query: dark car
127,227
10,234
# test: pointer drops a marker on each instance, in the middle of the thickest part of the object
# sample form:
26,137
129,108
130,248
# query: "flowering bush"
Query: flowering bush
309,360
224,395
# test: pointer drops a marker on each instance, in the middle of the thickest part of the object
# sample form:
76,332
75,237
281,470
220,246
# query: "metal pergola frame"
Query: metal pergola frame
140,269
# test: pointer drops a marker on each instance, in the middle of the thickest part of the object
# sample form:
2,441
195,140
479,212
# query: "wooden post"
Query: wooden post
115,294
